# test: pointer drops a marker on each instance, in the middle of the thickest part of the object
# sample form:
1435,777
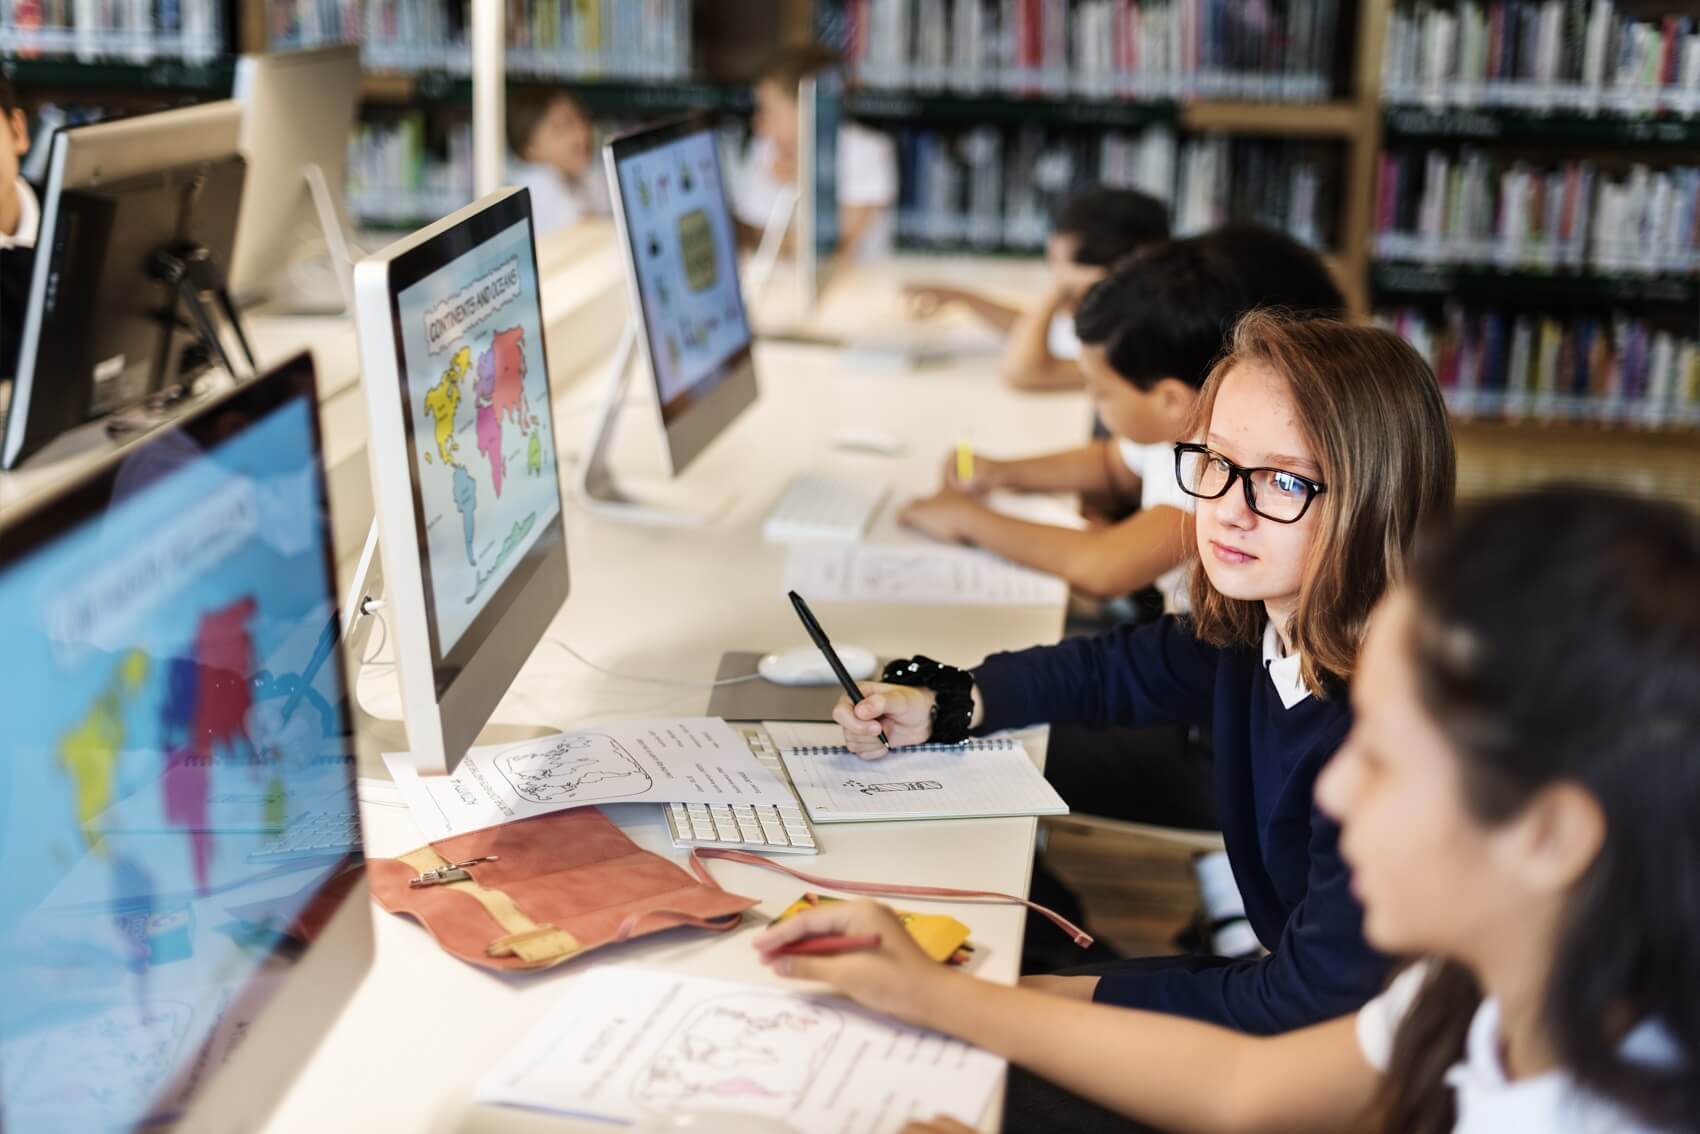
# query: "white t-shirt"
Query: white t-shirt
557,202
29,219
1155,467
1488,1102
1061,338
867,175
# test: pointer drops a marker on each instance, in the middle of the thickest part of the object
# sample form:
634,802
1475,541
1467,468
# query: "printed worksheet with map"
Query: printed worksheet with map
626,1042
478,405
675,760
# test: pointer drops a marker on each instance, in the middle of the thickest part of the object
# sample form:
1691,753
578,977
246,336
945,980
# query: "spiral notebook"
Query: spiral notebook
978,779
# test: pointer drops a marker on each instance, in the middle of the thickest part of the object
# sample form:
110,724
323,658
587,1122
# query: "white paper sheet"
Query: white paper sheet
915,573
980,779
673,760
626,1042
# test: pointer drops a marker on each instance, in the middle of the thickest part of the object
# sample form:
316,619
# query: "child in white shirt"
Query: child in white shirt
866,161
20,219
552,138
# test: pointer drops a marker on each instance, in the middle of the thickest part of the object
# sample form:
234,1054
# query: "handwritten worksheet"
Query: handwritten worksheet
677,760
625,1042
915,573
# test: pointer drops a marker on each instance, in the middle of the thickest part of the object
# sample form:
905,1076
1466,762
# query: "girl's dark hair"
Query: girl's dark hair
1557,640
529,105
8,96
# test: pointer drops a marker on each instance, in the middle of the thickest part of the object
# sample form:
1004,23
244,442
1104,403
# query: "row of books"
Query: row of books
1542,55
132,31
1154,49
292,24
1611,368
576,39
400,176
987,189
1473,208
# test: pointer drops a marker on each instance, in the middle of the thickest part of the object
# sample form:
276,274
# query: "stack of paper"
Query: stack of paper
682,760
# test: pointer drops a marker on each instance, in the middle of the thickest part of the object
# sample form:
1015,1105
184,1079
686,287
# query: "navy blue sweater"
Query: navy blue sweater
1284,851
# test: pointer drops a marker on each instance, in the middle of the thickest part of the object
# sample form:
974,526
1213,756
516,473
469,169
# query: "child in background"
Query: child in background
867,161
1149,334
1091,231
1321,447
1516,800
20,219
552,139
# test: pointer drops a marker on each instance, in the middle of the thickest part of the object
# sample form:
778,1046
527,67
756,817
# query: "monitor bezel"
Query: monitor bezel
417,258
702,412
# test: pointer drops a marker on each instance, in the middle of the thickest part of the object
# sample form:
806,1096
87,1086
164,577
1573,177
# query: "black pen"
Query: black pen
818,636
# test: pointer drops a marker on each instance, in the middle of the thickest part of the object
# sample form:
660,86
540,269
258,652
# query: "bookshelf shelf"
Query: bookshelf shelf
1393,281
611,97
1511,127
1328,120
1673,436
885,105
212,78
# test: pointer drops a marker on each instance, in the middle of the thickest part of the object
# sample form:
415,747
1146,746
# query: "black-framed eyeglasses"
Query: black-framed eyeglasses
1274,494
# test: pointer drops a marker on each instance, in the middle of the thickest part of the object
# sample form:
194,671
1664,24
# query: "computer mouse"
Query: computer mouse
711,1122
805,665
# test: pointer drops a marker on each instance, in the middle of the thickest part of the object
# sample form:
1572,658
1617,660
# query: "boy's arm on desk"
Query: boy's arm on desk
1103,562
1094,469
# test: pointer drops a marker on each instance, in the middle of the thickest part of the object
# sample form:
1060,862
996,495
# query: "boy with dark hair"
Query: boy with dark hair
1090,231
20,219
1149,333
551,136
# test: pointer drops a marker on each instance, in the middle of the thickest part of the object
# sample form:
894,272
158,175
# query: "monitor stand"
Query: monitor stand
189,268
312,296
596,484
374,735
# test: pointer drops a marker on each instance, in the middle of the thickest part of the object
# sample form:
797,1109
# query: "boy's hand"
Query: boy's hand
944,515
903,713
884,978
927,300
988,474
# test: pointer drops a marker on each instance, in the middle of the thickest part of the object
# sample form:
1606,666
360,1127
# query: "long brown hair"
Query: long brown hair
1369,407
1557,640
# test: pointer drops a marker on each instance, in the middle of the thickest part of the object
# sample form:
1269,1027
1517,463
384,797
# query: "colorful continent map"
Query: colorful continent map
498,396
203,715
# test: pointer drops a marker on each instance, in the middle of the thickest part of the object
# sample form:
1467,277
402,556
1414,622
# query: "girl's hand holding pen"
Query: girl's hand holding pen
903,713
885,976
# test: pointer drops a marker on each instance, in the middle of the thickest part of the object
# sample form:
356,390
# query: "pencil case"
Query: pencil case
535,893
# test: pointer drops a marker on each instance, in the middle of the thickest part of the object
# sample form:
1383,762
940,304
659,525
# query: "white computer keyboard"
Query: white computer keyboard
818,507
762,827
314,834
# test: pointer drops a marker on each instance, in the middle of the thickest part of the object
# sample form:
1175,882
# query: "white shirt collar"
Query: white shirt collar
1283,671
29,219
1488,1101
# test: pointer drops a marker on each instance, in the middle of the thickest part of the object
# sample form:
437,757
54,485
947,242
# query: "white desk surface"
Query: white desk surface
407,1051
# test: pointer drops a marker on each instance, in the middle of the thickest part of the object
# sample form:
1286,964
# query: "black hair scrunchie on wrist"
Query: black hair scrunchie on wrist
953,694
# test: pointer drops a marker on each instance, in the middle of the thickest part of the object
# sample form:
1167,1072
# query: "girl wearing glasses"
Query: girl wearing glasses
1321,448
1517,800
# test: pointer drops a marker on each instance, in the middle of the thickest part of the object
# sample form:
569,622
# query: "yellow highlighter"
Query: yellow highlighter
964,463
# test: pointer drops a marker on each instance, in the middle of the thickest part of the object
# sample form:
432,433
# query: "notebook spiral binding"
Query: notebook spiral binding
965,746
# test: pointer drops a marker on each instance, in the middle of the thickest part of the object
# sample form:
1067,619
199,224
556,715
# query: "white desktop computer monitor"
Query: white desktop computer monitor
298,109
175,713
692,330
464,475
100,334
